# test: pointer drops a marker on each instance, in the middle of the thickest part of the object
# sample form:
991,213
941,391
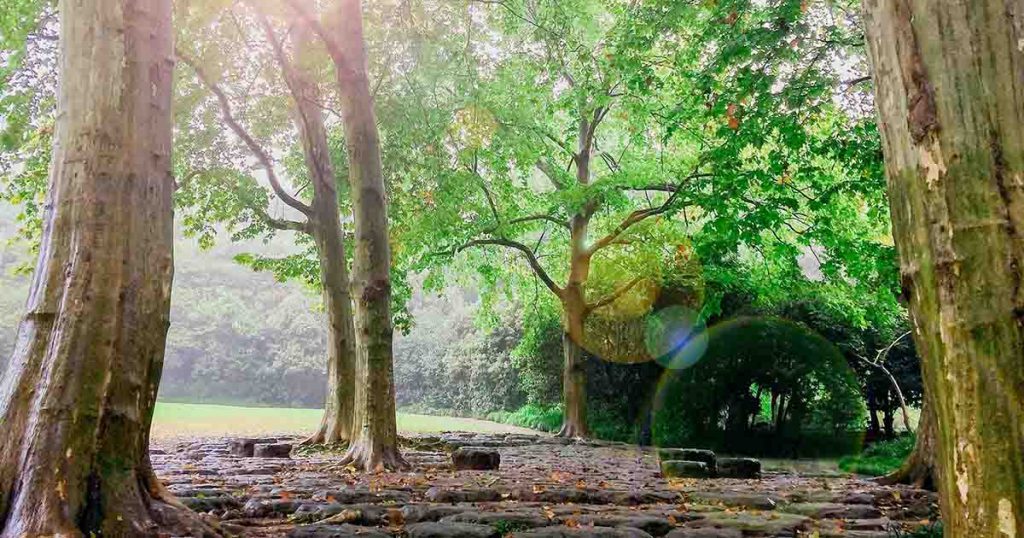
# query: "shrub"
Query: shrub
534,416
880,458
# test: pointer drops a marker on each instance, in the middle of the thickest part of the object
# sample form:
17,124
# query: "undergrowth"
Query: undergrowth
880,458
533,416
549,419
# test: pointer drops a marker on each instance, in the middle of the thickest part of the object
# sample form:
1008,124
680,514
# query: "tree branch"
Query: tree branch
281,224
261,155
549,218
878,363
643,214
551,173
613,296
530,257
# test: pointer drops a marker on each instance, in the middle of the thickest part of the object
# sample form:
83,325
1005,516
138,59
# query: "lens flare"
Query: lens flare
675,337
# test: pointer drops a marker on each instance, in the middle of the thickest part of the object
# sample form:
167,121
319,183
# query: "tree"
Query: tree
919,468
375,433
77,398
320,219
949,87
605,146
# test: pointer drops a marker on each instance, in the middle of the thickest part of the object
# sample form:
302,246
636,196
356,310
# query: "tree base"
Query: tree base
912,473
320,438
149,511
374,457
573,431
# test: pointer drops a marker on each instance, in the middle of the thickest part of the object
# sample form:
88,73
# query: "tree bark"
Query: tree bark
77,398
375,437
919,468
574,377
325,224
574,300
949,80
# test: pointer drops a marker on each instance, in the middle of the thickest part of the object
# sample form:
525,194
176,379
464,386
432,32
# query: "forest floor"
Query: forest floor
545,487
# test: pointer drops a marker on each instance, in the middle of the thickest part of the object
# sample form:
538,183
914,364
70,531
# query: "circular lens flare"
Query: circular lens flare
675,337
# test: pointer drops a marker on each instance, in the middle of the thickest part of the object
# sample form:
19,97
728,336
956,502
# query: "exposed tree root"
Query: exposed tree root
919,468
142,508
374,457
321,436
573,431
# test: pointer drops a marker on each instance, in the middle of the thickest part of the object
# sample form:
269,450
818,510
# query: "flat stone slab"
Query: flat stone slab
685,469
689,454
572,532
746,468
451,530
337,531
272,450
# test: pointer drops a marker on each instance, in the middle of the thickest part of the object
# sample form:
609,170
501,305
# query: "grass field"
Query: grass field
188,420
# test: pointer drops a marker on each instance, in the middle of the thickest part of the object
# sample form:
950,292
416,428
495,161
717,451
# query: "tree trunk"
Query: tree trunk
574,379
919,469
77,398
574,301
949,80
375,437
874,427
325,224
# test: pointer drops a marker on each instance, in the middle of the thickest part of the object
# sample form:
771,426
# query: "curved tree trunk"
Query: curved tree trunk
375,437
949,80
77,398
919,468
325,224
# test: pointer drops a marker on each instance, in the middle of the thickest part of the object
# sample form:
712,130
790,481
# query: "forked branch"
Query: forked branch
526,251
614,296
261,155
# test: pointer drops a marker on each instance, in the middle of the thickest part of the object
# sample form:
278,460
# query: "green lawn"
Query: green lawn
180,419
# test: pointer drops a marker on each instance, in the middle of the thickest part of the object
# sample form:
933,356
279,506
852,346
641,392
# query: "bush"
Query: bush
880,458
533,416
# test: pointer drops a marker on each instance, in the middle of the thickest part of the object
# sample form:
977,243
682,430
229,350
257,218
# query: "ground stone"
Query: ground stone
684,469
476,459
467,495
451,530
705,533
336,531
567,532
689,454
242,448
509,519
653,525
768,523
272,450
739,468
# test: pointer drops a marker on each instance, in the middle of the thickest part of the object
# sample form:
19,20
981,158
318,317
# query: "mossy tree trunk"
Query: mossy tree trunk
374,443
949,80
77,398
325,227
